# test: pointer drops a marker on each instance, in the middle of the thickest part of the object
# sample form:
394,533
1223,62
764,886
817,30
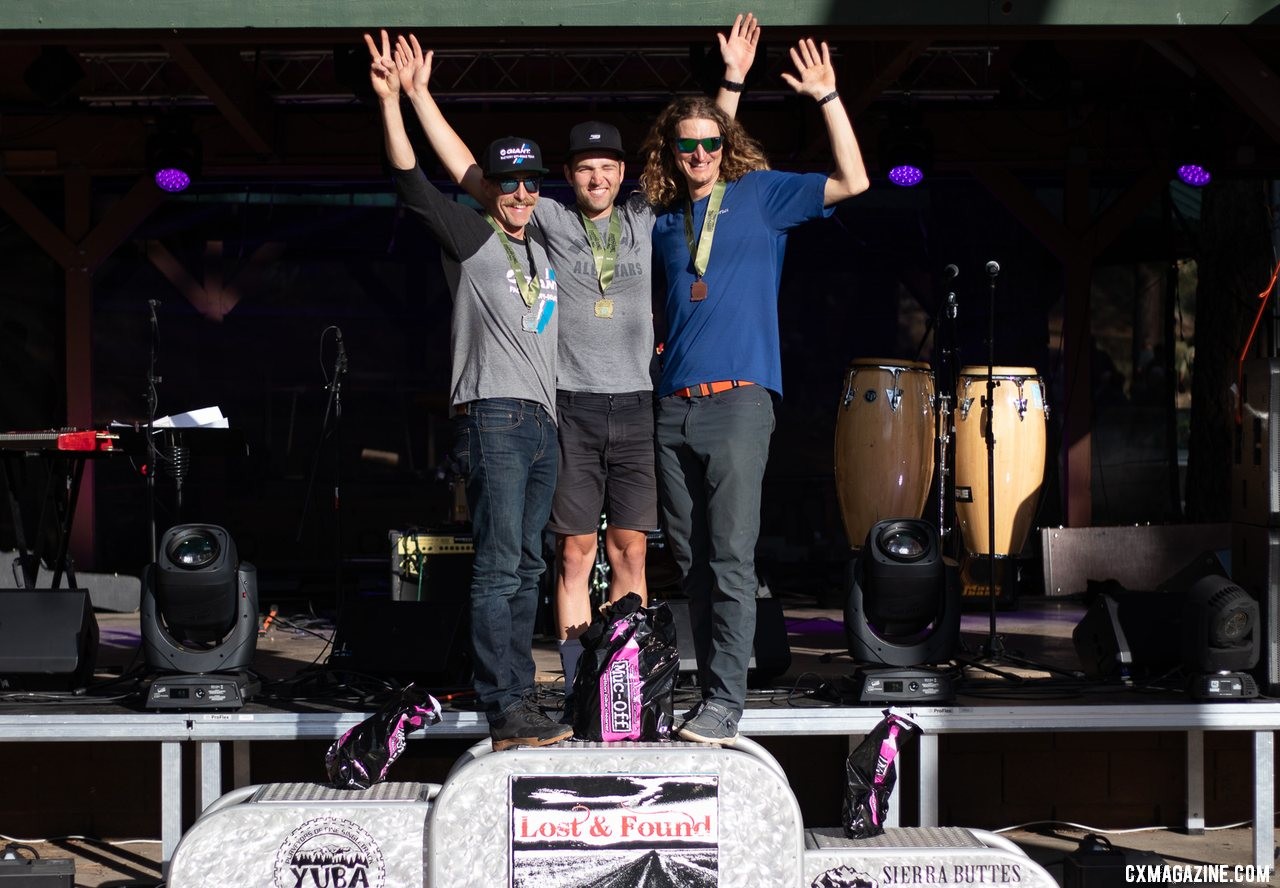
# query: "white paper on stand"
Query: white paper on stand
203,418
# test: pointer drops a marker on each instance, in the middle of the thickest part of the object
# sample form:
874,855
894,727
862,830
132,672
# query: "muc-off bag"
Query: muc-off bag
362,756
626,681
872,771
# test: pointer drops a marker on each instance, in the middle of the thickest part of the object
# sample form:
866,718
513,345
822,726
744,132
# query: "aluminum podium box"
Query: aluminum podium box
282,835
574,815
918,856
617,814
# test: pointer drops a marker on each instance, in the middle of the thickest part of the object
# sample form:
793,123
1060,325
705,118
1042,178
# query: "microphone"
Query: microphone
951,272
993,268
342,350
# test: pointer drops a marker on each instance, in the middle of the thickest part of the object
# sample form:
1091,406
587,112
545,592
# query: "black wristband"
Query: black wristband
732,86
828,97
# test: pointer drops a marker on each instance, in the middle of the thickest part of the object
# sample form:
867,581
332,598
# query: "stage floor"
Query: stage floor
1036,636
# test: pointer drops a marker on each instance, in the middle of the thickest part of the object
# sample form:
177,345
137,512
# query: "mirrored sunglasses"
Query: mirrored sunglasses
512,185
709,144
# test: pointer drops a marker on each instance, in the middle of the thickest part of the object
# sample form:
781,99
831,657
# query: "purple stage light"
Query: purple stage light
905,175
1194,175
172,180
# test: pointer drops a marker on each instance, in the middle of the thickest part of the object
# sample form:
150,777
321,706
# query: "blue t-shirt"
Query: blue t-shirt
733,333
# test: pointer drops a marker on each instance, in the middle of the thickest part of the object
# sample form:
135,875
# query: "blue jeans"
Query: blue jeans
507,451
712,453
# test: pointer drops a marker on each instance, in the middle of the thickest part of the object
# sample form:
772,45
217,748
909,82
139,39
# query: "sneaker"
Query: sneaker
525,725
714,723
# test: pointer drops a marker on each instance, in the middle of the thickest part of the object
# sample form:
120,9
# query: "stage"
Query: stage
805,717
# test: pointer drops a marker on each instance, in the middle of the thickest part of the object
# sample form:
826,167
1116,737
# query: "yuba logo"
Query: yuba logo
517,155
327,852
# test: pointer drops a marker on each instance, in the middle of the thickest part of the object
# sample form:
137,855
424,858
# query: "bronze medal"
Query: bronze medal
697,291
604,308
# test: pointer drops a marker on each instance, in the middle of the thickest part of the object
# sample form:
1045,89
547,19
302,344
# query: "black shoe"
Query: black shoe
525,725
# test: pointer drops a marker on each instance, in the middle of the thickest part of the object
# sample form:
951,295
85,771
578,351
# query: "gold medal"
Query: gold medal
604,308
697,291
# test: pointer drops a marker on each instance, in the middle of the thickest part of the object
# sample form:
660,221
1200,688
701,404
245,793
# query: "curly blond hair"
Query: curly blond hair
662,182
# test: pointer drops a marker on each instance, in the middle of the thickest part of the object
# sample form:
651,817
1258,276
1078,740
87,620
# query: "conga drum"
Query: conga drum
1019,416
884,443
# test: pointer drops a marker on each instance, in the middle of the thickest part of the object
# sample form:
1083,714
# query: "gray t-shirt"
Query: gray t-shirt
493,355
604,355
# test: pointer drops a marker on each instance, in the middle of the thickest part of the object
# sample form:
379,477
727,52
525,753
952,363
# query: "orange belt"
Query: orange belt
710,388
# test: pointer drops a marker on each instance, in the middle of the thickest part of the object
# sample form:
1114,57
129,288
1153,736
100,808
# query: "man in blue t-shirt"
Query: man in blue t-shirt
720,235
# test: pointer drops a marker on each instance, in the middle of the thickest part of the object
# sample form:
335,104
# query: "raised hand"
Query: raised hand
415,66
739,49
817,76
382,68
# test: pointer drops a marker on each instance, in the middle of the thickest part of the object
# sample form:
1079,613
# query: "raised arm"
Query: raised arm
415,72
818,79
386,86
738,51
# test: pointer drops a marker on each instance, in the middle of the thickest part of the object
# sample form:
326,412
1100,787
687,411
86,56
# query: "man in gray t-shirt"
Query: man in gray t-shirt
604,391
503,340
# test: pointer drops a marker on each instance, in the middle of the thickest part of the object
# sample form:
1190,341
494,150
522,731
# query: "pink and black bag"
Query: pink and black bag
362,756
626,681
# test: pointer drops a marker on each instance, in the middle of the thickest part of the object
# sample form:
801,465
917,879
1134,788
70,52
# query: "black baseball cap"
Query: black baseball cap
595,136
512,154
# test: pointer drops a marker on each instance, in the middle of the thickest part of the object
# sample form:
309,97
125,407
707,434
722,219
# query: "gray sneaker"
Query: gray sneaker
713,723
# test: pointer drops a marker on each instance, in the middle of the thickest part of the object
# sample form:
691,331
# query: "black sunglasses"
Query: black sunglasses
709,144
511,186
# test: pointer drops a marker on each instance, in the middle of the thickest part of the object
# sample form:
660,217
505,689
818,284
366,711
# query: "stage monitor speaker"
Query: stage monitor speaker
1100,641
121,593
427,642
48,639
1255,567
770,654
1255,466
431,566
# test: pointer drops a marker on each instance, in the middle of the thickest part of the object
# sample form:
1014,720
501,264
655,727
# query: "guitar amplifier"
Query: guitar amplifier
431,566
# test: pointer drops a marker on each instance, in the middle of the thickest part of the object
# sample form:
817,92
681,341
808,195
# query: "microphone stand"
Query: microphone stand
332,408
152,453
335,392
945,376
995,644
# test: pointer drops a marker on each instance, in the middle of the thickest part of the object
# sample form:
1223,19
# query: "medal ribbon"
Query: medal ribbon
528,286
700,250
606,253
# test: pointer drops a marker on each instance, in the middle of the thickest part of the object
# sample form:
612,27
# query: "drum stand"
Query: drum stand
994,648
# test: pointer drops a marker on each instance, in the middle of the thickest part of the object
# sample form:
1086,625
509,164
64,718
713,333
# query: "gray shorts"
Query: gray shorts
606,447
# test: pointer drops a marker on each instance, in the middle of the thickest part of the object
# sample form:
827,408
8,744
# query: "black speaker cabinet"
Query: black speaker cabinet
1255,466
431,566
48,639
770,654
427,642
1255,567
